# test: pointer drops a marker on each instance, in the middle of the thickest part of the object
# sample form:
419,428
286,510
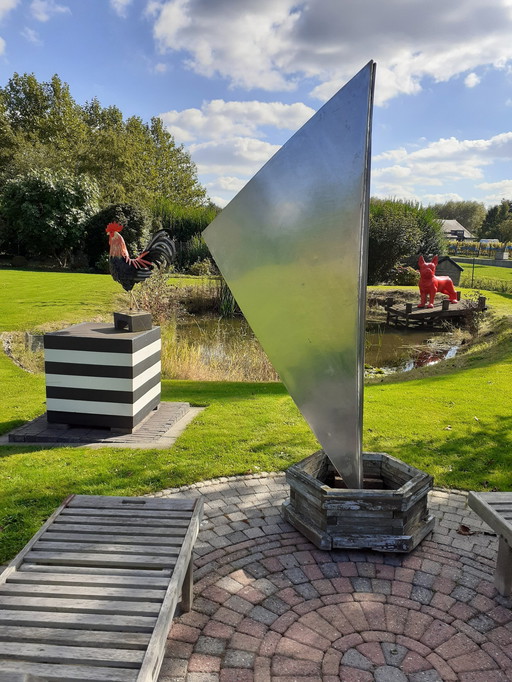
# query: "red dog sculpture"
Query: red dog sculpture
430,285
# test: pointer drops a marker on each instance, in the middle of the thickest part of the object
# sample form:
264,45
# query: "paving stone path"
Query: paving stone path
270,607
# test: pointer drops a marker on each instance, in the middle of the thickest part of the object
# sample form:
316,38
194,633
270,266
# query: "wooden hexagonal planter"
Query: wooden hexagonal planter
389,514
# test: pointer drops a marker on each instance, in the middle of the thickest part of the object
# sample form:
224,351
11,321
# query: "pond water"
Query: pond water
395,349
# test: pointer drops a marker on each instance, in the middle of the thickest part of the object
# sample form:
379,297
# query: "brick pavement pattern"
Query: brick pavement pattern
270,607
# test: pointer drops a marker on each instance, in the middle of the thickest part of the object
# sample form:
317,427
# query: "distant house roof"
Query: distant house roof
447,259
452,227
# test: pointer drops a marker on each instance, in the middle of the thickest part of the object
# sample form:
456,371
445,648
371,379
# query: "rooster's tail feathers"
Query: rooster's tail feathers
161,250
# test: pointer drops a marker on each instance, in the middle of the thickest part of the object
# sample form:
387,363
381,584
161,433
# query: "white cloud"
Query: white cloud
31,36
273,43
471,80
160,67
442,163
217,119
42,10
242,156
120,6
496,191
6,6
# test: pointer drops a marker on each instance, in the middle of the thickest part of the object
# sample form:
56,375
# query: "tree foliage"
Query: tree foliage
43,214
399,230
470,214
498,222
43,128
137,227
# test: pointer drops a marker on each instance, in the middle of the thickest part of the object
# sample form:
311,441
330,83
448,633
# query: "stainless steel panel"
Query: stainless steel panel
292,247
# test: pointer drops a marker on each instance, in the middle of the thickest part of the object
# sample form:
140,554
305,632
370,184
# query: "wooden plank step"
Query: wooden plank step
98,559
142,529
141,514
79,621
52,653
67,673
122,520
65,605
162,540
83,579
48,545
101,592
78,638
112,502
96,570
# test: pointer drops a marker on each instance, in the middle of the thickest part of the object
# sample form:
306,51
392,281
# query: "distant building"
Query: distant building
452,229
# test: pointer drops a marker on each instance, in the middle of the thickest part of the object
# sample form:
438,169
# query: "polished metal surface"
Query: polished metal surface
292,247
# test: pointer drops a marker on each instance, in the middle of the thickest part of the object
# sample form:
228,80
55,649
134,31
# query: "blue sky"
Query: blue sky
234,79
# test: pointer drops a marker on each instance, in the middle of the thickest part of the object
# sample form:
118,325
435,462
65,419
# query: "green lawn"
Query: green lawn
453,422
483,271
32,299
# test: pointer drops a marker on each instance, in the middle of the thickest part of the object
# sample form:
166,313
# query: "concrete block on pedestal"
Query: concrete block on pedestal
97,375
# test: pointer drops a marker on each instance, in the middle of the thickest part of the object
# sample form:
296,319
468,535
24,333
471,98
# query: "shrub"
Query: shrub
43,214
403,275
137,228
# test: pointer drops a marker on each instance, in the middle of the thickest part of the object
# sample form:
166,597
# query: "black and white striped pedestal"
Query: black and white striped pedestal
97,375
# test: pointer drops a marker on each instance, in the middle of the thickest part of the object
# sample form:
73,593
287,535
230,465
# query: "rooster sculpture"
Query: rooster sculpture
160,252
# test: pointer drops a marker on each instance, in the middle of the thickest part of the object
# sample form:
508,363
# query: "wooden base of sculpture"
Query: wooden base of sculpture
389,514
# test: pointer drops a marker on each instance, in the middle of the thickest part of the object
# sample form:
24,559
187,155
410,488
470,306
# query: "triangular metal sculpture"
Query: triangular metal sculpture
292,246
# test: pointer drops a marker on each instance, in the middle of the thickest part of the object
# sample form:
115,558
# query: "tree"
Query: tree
495,218
399,230
135,221
470,214
42,127
42,214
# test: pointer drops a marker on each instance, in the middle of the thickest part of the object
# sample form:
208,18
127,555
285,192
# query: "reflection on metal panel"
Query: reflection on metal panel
292,247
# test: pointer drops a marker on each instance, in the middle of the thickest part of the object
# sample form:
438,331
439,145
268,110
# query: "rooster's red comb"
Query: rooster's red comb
113,227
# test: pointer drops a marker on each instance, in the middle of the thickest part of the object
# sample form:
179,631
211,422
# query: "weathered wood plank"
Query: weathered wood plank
141,514
78,638
112,502
96,559
156,540
65,605
156,649
84,579
80,621
122,520
115,529
53,653
95,570
101,592
48,545
480,503
67,673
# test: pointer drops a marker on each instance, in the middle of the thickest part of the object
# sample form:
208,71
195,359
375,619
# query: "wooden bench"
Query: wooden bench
92,596
496,510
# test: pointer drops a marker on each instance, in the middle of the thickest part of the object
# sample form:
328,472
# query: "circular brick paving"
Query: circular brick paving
270,607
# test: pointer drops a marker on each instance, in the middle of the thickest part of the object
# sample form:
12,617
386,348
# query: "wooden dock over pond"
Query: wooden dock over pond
409,315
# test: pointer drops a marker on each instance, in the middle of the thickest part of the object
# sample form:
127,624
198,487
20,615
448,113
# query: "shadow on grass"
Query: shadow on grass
480,459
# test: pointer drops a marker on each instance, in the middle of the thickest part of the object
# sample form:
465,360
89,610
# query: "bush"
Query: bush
404,275
136,232
43,214
202,268
183,222
398,230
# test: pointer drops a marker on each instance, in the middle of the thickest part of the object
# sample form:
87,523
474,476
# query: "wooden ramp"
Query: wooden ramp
93,594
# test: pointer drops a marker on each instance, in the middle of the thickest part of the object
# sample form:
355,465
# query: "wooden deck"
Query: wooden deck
409,315
93,594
